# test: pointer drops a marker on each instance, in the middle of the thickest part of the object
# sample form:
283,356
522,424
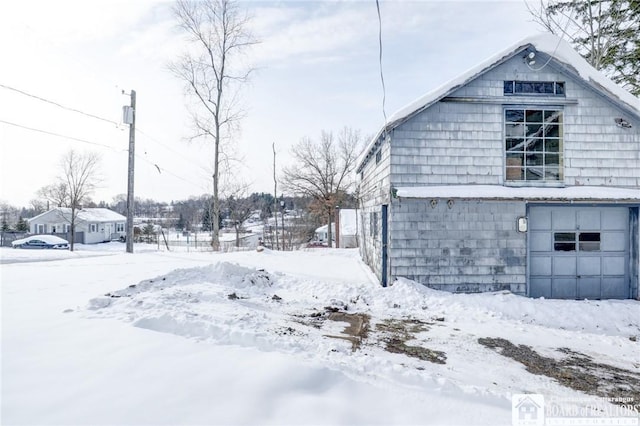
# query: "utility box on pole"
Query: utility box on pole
127,114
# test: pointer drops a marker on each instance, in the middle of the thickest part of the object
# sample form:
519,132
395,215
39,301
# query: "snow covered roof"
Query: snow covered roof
86,215
559,49
100,215
499,192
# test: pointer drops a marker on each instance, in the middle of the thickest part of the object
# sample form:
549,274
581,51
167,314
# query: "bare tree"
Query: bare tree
324,170
56,193
605,32
213,73
78,178
238,206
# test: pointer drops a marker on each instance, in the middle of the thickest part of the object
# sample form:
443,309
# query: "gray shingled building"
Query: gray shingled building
523,174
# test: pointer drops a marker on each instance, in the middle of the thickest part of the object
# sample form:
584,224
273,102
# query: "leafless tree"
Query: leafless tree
213,72
78,178
324,170
56,193
238,207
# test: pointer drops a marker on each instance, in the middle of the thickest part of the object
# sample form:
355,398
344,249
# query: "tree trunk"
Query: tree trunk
73,228
329,233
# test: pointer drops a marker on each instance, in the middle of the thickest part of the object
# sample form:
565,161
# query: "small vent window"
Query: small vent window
378,156
564,241
515,87
574,241
589,241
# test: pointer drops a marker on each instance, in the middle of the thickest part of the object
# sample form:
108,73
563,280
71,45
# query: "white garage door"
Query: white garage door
579,252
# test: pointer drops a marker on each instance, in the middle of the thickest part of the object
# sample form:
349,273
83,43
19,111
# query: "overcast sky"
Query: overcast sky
317,69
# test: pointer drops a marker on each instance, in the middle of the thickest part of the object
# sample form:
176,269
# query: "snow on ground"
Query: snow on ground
103,337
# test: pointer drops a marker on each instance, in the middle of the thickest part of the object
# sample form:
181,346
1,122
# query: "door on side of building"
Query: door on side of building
579,252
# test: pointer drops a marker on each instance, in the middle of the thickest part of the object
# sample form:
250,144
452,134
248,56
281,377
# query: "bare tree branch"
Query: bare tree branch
324,170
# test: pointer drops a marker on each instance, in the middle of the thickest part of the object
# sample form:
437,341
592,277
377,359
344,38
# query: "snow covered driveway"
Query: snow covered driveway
249,338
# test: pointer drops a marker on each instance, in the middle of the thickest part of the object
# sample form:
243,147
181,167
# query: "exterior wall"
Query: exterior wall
53,221
635,253
374,191
462,142
105,231
449,143
472,246
459,140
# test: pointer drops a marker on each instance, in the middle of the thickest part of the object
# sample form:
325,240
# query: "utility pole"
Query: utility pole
130,118
275,199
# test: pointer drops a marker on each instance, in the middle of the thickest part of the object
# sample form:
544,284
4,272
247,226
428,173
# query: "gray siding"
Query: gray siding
462,142
470,246
374,192
473,245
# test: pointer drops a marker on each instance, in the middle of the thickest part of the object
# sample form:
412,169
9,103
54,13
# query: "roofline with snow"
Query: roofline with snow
571,65
499,192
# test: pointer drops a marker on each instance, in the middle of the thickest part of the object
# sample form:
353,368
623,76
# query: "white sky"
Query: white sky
317,69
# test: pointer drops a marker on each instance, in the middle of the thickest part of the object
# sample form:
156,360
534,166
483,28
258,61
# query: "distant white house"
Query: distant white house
92,225
348,227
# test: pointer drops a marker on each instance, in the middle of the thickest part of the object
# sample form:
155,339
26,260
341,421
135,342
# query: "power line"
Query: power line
171,149
22,92
162,169
46,132
40,98
384,91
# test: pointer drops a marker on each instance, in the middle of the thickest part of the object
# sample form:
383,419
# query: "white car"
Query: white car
41,242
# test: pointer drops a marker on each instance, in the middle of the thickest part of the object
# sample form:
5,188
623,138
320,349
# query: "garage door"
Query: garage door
579,252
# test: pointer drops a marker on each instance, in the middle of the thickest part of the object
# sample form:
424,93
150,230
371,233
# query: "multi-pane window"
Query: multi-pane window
515,87
576,241
119,227
93,228
533,144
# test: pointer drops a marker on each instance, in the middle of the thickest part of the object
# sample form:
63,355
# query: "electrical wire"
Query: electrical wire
175,151
46,132
384,91
560,39
22,92
57,104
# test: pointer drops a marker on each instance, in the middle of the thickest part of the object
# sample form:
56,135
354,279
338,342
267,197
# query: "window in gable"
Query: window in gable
516,87
533,144
378,156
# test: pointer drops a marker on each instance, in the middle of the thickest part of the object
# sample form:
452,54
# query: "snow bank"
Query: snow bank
244,338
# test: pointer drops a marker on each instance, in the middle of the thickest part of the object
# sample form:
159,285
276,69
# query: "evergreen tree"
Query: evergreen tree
22,225
180,224
605,32
206,220
149,232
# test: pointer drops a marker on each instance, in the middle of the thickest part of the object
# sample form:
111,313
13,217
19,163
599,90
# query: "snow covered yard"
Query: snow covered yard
102,337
